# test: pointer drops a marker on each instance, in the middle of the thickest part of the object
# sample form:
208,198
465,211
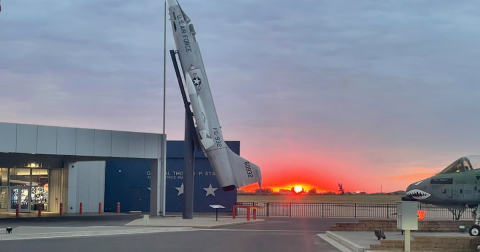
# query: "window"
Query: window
473,161
3,176
39,177
20,177
456,167
466,165
39,191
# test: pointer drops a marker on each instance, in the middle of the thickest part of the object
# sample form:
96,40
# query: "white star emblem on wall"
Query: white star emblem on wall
210,190
180,190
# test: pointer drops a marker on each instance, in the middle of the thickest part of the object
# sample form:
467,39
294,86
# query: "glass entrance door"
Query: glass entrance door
3,198
20,196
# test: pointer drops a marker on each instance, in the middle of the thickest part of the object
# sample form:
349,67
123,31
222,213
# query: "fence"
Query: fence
349,210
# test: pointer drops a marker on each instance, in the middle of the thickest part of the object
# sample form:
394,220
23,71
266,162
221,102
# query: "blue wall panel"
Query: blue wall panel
128,182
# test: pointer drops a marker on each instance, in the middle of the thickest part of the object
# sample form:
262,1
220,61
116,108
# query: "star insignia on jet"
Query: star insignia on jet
197,81
210,190
180,190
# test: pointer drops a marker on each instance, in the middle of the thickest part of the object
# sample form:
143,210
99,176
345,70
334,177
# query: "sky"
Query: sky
371,94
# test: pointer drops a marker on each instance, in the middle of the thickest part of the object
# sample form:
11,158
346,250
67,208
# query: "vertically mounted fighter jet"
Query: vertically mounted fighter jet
456,187
231,170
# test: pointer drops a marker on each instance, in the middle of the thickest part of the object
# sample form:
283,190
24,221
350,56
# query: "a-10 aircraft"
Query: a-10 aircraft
231,170
456,187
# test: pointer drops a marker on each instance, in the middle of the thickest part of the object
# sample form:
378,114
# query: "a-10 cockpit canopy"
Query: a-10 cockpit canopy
463,164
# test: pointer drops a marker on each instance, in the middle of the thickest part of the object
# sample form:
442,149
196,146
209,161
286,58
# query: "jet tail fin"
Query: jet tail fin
246,172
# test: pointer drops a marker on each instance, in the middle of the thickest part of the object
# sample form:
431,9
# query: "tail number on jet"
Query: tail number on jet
218,140
249,169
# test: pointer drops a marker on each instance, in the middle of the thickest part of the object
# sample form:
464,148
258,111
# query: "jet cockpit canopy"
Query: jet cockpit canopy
463,164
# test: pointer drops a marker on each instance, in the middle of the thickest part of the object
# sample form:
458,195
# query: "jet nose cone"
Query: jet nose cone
418,191
172,3
410,187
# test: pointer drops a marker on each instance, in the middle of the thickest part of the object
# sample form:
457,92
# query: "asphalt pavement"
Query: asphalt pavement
273,234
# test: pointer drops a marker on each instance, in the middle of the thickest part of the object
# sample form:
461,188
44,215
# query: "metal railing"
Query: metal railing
346,210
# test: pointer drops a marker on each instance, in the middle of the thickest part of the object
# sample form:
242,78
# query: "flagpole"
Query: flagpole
164,142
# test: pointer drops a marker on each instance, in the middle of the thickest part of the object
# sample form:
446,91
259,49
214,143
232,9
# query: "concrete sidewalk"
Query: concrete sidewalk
360,241
35,232
196,222
49,216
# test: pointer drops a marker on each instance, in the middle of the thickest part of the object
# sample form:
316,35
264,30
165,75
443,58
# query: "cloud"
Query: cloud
368,86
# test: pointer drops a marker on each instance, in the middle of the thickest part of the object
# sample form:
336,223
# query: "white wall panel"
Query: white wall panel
103,143
47,140
84,185
119,144
50,140
136,145
66,141
85,142
151,145
72,206
101,175
26,138
94,188
87,186
8,137
162,151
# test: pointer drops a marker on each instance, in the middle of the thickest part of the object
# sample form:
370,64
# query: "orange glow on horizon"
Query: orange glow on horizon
288,187
298,188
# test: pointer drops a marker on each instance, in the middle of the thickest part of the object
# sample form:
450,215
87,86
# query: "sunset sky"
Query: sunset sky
366,93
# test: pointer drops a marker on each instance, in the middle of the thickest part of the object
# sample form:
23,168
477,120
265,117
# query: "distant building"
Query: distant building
283,191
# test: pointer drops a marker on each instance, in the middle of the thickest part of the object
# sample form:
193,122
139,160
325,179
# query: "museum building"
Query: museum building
49,167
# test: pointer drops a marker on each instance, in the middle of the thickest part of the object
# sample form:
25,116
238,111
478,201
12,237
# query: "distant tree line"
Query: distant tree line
340,191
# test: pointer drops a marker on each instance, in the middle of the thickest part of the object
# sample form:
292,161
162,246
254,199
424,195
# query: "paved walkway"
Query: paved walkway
272,234
8,215
35,232
196,222
360,241
42,228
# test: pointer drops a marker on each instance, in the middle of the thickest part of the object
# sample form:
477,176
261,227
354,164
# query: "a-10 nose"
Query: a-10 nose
410,187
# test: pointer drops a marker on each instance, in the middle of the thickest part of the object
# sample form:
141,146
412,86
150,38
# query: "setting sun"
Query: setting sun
298,189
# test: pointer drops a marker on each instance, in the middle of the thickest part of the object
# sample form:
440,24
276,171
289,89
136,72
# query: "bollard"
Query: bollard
61,209
146,220
39,210
17,211
81,208
99,207
118,207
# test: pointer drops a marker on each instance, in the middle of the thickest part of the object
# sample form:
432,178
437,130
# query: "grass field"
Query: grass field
306,198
